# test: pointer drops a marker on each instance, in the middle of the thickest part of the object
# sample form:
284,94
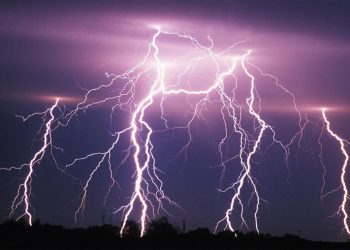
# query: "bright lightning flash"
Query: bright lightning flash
24,191
344,204
122,93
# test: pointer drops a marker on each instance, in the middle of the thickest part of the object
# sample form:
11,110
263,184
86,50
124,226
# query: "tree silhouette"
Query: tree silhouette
160,235
131,230
161,228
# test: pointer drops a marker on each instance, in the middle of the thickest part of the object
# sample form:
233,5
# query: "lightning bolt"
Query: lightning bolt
342,142
24,191
148,187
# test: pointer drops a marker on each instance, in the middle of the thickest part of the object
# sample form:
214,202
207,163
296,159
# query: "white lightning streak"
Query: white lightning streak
38,156
148,188
345,200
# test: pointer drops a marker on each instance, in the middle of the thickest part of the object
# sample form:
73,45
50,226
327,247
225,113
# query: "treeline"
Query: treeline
160,235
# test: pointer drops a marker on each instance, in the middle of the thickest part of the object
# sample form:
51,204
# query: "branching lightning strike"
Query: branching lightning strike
24,191
148,191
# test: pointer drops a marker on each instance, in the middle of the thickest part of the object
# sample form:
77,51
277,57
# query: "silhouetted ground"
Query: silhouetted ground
160,235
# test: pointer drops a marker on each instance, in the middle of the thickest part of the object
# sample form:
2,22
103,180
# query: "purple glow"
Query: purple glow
63,52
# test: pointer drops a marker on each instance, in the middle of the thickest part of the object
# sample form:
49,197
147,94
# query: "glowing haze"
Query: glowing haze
213,117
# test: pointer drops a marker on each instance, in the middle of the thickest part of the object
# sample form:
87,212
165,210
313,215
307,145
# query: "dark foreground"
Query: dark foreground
160,235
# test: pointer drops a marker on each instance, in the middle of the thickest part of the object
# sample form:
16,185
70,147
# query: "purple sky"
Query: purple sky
50,49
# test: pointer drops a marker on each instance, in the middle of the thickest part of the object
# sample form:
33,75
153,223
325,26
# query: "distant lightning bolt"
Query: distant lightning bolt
24,190
246,153
341,141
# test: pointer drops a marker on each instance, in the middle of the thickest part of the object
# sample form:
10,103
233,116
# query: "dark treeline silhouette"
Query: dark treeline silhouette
160,235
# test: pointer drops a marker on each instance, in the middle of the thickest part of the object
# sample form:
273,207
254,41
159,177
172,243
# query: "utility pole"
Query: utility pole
184,226
299,233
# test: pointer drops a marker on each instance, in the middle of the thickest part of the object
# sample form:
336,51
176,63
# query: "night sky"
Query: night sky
50,50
